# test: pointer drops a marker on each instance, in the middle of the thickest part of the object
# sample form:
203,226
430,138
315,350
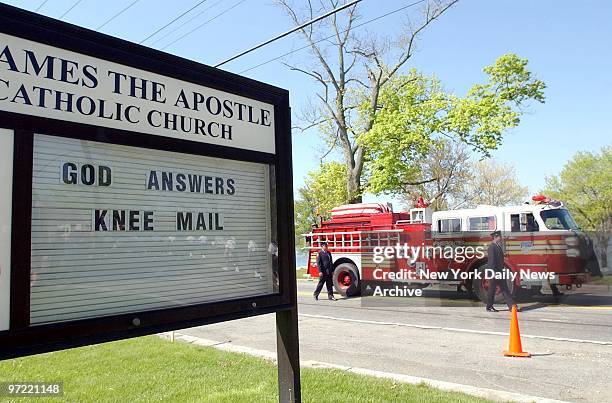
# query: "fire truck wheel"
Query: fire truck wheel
481,287
346,279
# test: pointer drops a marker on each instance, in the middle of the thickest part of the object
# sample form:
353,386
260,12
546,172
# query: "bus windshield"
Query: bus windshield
558,219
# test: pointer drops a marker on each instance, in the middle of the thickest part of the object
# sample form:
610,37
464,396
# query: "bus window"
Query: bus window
481,223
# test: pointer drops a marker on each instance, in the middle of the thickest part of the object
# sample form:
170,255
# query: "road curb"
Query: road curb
491,394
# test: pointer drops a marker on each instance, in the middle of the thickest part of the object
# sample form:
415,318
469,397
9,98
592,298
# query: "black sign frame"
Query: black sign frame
21,339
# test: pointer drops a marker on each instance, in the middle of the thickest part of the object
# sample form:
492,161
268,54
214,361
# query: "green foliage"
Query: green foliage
489,109
415,113
402,132
585,186
324,189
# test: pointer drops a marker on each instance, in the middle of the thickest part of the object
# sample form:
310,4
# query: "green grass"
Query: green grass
151,369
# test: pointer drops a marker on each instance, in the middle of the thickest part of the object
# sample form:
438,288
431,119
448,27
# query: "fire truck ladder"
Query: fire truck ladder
354,239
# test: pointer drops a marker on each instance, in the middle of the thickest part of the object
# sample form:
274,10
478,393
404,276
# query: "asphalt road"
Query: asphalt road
449,337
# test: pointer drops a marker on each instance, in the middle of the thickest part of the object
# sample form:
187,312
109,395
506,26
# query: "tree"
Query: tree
442,174
491,183
584,186
351,75
415,113
323,190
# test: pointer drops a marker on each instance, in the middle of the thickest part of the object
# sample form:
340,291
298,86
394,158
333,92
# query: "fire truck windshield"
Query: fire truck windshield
558,219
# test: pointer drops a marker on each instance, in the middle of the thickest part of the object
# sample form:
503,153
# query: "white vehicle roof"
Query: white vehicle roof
483,209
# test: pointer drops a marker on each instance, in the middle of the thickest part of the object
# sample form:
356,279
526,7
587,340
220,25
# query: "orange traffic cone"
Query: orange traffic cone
515,349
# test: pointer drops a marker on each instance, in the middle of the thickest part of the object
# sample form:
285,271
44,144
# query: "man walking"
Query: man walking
325,266
495,262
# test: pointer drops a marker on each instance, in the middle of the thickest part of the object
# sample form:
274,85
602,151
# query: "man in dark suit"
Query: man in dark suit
325,265
495,262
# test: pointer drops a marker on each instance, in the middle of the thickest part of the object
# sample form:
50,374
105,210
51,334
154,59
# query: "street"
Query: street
448,337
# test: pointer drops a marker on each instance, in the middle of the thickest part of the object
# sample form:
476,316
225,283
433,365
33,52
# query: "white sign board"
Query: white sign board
46,81
118,229
6,201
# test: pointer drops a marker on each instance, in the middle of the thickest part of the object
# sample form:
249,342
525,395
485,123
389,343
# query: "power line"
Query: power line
185,23
118,14
204,23
41,5
332,36
76,3
312,21
174,20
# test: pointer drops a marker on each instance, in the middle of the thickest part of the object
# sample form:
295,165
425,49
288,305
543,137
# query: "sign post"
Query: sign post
142,193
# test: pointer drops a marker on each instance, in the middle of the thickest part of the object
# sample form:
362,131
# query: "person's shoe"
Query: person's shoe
491,309
332,298
316,296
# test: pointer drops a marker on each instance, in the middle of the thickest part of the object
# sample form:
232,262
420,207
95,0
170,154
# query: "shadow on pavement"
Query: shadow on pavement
533,307
587,296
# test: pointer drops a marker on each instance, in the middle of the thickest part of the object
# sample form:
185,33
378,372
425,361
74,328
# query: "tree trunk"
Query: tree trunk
602,248
354,188
354,170
601,239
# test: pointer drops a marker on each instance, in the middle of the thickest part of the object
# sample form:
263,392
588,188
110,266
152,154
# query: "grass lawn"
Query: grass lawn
153,369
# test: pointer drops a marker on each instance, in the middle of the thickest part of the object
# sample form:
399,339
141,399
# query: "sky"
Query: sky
567,45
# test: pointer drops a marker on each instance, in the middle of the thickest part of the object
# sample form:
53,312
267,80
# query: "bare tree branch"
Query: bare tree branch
421,182
352,72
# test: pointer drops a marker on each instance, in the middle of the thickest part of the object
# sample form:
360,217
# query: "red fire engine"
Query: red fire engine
541,241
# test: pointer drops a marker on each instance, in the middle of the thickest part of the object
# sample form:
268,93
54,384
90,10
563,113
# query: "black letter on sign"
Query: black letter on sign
153,182
208,184
180,182
195,183
90,72
230,186
69,175
134,220
148,220
182,99
219,185
99,224
88,174
104,176
218,225
184,221
166,181
118,220
201,222
22,94
7,57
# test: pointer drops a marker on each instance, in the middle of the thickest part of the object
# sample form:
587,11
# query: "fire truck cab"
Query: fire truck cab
541,242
